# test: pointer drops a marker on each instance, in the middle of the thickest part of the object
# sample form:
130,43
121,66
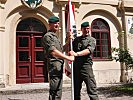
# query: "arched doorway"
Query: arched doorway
30,61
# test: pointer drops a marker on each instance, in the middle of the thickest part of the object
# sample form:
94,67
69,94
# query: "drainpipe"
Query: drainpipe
123,38
124,24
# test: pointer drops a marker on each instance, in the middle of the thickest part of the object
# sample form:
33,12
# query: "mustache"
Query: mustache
56,26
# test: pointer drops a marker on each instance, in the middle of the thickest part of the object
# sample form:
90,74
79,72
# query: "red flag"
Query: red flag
71,27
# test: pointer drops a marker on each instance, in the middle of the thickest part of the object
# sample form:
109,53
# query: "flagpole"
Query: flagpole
71,48
72,80
71,22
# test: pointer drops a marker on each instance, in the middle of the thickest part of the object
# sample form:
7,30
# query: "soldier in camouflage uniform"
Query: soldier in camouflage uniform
55,58
83,47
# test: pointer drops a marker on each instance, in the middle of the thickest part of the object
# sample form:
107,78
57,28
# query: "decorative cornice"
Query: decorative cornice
77,3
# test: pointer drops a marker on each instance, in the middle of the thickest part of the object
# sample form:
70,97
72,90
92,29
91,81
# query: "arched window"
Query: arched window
101,32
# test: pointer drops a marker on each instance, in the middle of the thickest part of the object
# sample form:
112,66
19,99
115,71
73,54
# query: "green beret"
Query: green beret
53,19
85,24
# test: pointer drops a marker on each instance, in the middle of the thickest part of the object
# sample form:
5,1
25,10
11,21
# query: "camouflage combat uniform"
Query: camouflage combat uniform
83,68
55,65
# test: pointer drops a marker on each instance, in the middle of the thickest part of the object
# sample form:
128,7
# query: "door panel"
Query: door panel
23,59
30,63
39,71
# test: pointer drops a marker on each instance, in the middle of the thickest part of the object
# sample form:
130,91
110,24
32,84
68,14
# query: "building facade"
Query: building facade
24,22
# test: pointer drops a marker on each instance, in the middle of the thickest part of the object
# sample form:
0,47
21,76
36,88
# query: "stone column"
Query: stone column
1,59
1,56
2,31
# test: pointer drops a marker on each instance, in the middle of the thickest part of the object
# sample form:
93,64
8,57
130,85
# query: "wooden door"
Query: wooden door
30,63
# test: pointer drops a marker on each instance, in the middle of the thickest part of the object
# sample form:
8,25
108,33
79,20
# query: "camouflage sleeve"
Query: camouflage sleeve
92,45
49,43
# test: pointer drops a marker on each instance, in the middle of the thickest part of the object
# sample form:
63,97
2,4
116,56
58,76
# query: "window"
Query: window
101,32
31,24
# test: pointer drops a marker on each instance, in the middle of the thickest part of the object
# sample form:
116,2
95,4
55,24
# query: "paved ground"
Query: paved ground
40,92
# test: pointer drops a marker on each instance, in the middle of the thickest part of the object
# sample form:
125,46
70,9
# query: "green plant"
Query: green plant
123,56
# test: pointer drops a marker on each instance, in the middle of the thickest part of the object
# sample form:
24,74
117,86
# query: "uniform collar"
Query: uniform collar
84,37
53,33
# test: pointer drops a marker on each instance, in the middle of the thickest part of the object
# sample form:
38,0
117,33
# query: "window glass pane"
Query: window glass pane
23,42
23,55
105,54
95,27
99,23
97,42
96,35
94,54
98,48
38,42
104,42
104,48
31,24
103,27
39,56
98,54
104,35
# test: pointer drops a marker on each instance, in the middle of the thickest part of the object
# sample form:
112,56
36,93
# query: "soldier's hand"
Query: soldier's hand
72,53
72,58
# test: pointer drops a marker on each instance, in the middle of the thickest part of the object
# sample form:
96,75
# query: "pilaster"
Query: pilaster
63,23
2,83
2,31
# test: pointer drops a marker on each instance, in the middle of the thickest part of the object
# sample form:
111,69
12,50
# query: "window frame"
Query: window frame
100,31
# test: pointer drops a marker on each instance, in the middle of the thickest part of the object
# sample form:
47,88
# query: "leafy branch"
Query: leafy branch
123,56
